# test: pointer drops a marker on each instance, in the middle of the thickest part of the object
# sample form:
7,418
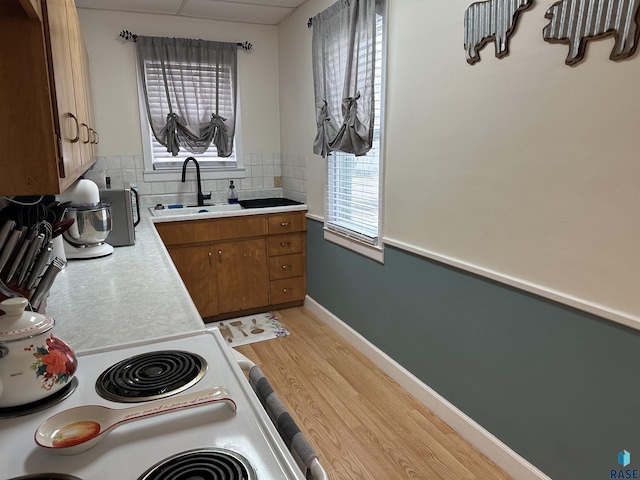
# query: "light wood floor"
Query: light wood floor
361,423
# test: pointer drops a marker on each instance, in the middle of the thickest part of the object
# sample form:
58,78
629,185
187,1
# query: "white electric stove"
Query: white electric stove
246,436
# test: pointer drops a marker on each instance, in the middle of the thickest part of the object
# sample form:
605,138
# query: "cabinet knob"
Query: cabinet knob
285,244
286,290
284,267
210,258
284,224
220,255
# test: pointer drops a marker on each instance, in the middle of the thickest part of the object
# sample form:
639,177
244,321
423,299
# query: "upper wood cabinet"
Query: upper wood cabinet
46,121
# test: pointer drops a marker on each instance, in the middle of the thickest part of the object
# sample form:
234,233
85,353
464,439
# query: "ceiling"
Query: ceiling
266,12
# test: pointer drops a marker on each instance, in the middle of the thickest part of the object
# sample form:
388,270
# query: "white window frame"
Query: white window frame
164,175
341,236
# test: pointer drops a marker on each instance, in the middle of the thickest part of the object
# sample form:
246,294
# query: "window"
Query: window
160,165
196,88
353,182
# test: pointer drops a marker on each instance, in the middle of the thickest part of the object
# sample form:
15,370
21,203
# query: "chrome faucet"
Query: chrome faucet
201,197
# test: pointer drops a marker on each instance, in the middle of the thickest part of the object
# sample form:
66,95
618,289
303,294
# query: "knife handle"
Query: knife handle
9,246
45,284
30,257
21,252
41,262
5,231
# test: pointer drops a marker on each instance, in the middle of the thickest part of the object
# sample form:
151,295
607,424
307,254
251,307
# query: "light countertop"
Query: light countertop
133,294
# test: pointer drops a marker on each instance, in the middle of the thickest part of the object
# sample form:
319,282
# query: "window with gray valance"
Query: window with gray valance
343,55
190,92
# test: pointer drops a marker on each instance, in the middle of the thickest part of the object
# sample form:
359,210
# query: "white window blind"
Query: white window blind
162,159
353,186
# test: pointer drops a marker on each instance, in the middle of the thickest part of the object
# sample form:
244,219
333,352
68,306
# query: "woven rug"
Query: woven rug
250,329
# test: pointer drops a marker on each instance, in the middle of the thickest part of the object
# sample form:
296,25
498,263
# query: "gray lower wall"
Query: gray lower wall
558,386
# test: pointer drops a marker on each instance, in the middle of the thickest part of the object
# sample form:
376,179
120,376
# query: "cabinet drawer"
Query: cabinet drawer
287,222
287,290
209,230
286,266
286,243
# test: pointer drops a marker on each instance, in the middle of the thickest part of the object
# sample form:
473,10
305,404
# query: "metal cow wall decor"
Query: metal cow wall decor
491,20
577,21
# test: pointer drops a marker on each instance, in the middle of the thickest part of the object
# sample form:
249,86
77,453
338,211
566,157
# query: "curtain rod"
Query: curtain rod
127,35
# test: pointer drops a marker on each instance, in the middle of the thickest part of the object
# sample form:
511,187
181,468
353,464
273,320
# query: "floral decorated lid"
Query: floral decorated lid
18,324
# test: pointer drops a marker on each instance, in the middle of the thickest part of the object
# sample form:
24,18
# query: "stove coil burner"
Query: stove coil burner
202,464
42,404
150,376
47,476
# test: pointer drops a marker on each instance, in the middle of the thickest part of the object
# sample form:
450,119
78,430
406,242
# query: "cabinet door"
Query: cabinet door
80,66
65,112
198,272
242,274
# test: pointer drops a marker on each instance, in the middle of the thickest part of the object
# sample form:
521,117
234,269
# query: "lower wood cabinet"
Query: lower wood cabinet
243,264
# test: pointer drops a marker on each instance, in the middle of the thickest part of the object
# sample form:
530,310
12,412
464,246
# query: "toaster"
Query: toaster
125,215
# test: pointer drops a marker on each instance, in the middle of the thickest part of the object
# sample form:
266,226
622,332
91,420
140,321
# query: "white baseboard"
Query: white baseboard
512,463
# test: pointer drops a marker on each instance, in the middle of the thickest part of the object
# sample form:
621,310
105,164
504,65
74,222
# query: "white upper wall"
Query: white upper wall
521,166
113,75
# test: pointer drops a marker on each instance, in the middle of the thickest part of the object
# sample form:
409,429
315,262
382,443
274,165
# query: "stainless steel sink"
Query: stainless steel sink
185,210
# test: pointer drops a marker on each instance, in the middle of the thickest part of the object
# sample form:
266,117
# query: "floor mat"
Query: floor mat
250,329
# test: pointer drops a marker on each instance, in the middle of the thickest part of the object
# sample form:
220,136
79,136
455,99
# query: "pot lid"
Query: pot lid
18,324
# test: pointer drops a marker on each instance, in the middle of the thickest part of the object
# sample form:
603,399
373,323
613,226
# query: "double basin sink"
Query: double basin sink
179,209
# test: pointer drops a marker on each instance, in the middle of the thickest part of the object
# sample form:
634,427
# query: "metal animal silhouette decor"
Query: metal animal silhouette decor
577,21
491,20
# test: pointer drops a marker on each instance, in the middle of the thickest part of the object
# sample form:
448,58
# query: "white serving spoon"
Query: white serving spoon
78,429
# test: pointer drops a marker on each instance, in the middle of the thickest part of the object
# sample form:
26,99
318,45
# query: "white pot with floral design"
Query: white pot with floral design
33,362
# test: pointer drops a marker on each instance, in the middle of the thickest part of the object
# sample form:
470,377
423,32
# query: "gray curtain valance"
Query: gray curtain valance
343,55
190,92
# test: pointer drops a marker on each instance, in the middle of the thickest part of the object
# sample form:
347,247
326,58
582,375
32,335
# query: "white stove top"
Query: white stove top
131,449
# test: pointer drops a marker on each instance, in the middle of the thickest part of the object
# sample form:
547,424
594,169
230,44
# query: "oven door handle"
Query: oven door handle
301,449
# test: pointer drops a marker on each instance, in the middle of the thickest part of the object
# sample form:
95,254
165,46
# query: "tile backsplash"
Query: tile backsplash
267,175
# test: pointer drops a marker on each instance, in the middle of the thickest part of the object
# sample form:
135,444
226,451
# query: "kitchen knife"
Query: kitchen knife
38,266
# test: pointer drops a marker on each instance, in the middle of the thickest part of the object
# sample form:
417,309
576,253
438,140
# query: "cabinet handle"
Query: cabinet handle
284,267
285,244
88,132
210,258
97,137
285,290
220,255
284,224
77,137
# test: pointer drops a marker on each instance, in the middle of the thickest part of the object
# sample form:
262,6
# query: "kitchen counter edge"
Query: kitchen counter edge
134,294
